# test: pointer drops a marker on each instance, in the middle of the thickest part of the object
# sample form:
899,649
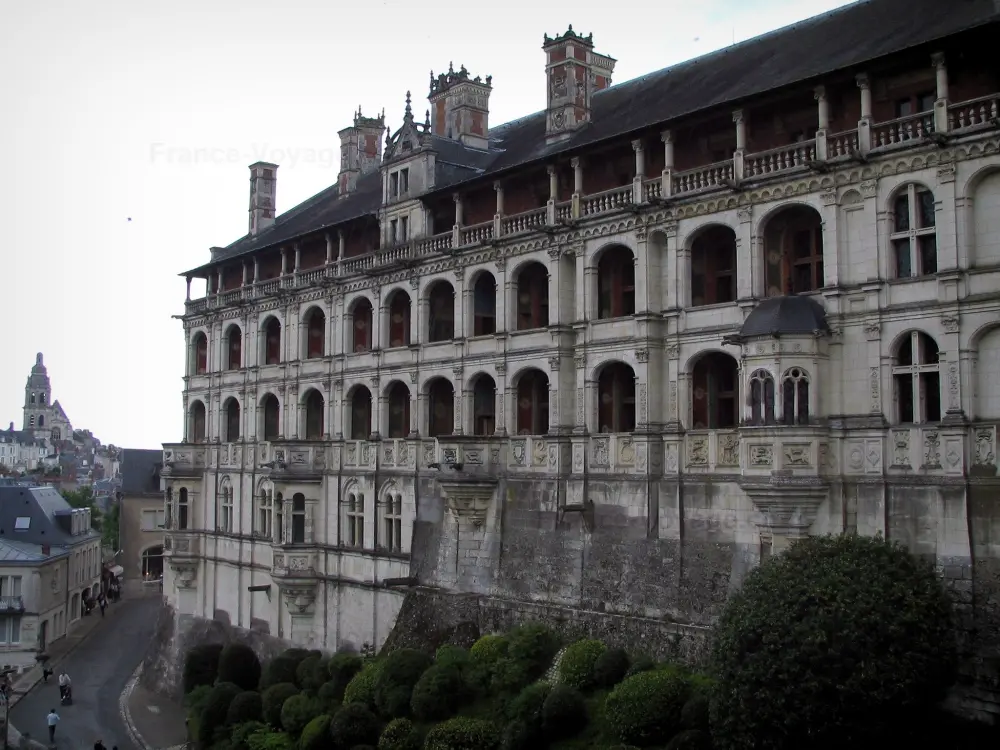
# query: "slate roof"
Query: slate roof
14,551
140,470
841,39
779,316
41,505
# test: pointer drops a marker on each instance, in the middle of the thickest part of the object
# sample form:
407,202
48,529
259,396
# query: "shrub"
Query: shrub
246,707
304,673
273,699
510,676
239,665
526,708
487,650
611,667
831,643
394,685
463,733
361,687
316,734
454,656
354,724
329,695
645,709
201,666
564,713
533,645
519,736
298,711
215,711
399,734
240,737
341,670
695,713
691,739
576,668
269,741
438,693
195,700
279,669
641,663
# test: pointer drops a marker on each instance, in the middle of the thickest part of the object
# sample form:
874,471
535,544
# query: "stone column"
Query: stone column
187,297
341,242
378,408
555,408
337,399
502,294
941,104
456,231
462,303
498,216
284,261
577,163
748,276
823,118
550,207
329,248
741,144
503,418
951,366
256,270
831,247
666,175
946,222
640,172
417,406
865,123
458,399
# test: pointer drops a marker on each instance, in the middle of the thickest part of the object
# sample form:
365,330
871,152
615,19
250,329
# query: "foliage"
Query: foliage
354,724
576,667
215,711
361,688
695,713
438,693
239,664
201,666
519,736
269,741
247,706
564,713
829,645
341,670
84,498
274,698
298,711
509,677
330,695
454,656
394,685
195,700
311,673
399,734
611,667
484,655
641,663
645,709
533,645
463,733
240,737
526,708
316,734
280,669
109,526
691,739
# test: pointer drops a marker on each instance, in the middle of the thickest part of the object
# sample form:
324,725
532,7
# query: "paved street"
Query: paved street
99,668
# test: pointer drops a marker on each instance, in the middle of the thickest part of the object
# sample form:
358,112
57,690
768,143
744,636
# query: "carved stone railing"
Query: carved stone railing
181,545
712,450
295,459
184,460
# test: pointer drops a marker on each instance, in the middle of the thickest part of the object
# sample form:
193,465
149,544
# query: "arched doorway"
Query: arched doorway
152,563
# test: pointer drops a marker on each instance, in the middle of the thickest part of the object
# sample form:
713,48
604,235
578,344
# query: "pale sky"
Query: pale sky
154,111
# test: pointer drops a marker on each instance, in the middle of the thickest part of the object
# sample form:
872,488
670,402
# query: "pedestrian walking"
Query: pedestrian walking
52,719
99,746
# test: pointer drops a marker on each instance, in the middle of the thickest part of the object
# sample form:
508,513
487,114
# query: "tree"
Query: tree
109,527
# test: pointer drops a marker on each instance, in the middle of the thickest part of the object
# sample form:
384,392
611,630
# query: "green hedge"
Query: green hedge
399,734
246,707
273,699
215,711
280,669
463,734
354,724
400,672
239,739
201,666
316,734
298,711
578,662
438,693
341,670
361,687
691,739
564,713
239,665
453,656
533,645
611,667
645,709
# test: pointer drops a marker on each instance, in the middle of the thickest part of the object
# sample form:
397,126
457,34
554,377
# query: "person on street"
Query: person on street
63,684
99,746
52,719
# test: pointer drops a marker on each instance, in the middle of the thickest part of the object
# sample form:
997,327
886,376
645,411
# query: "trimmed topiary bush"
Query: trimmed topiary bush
645,709
316,734
831,643
279,669
195,700
401,670
215,711
273,699
533,645
519,736
611,668
341,670
201,666
462,733
269,741
576,667
454,656
399,734
239,739
691,739
361,687
305,673
298,711
696,713
239,665
564,713
510,676
641,663
484,655
438,693
354,724
246,707
527,706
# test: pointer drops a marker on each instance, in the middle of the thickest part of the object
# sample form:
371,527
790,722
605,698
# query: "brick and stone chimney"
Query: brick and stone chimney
574,73
360,150
263,186
460,107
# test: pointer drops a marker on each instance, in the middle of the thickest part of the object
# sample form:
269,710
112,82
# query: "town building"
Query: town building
142,516
43,417
50,560
20,450
593,364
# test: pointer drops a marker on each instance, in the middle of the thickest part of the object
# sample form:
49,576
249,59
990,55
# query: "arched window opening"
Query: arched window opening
361,326
361,413
398,404
795,397
272,417
32,398
298,518
761,398
532,297
225,523
533,403
394,522
917,380
441,312
914,233
616,399
265,513
234,348
183,509
714,387
399,319
152,563
31,421
56,435
232,415
441,408
169,509
484,413
200,354
355,520
616,283
793,248
314,415
484,305
272,342
279,518
316,334
197,422
41,420
41,398
713,267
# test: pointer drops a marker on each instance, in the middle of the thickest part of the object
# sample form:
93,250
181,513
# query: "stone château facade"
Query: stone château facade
595,363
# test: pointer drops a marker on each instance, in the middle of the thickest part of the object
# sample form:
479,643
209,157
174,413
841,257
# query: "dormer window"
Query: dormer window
404,181
394,184
399,182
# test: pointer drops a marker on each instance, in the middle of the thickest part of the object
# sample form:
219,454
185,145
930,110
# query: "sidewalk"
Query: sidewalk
153,720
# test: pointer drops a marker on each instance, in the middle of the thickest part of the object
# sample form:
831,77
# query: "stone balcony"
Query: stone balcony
184,460
181,545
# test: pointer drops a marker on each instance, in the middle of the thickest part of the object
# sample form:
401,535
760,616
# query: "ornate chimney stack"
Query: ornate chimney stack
263,185
360,150
574,73
460,107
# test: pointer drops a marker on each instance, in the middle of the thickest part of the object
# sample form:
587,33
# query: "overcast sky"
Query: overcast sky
153,111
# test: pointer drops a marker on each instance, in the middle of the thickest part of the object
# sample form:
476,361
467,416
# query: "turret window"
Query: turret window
761,398
298,518
355,520
795,397
917,380
394,522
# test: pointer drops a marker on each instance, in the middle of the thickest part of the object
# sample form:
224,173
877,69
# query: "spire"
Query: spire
427,120
388,139
408,115
38,359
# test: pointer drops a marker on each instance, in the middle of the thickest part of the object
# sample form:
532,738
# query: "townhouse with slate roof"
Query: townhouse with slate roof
593,364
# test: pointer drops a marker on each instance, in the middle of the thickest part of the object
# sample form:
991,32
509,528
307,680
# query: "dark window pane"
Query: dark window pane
904,397
928,253
901,213
926,217
930,384
904,267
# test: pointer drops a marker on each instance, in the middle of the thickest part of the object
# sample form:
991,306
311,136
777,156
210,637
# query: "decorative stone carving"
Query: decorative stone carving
518,451
626,452
185,574
472,456
745,214
761,456
501,369
729,449
673,351
876,406
856,457
985,447
946,173
953,404
501,264
672,400
449,455
789,505
428,453
578,456
869,188
950,323
601,453
901,449
642,356
388,449
932,450
825,459
414,377
579,406
670,457
469,500
299,597
581,361
873,454
554,363
698,451
539,453
872,331
643,405
796,454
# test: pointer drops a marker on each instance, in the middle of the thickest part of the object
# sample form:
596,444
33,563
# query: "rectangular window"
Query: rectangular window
298,520
404,229
394,184
393,232
10,585
153,520
394,523
10,629
404,181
